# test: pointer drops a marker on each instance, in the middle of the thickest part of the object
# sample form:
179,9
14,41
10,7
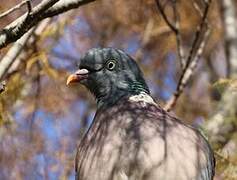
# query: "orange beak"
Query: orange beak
72,79
77,76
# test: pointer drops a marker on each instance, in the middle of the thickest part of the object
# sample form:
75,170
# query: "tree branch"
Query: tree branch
63,6
178,35
223,122
11,56
18,6
29,6
192,59
230,27
187,74
47,8
166,19
175,28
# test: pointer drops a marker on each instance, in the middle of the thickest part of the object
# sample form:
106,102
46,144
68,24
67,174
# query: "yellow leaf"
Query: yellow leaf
224,83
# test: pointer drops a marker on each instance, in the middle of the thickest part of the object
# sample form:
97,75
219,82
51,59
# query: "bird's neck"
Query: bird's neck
114,95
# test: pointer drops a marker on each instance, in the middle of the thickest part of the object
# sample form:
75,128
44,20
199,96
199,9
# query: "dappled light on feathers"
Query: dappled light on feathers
131,137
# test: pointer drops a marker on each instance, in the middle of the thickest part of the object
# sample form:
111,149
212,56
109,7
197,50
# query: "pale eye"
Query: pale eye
111,65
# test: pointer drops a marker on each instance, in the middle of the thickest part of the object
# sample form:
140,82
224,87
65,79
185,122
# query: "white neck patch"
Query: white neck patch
144,98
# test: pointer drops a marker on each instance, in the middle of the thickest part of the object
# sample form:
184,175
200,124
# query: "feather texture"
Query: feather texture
132,137
136,140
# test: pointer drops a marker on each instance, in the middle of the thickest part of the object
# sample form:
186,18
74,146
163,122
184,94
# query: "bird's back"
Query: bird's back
137,140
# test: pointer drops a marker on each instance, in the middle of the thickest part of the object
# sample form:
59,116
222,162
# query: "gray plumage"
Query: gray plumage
132,137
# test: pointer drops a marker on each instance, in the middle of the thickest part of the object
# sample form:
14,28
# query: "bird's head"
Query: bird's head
109,74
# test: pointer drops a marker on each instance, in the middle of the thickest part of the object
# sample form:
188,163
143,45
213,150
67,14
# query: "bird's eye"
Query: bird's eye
111,65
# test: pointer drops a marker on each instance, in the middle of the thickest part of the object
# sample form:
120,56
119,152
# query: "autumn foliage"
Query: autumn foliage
42,120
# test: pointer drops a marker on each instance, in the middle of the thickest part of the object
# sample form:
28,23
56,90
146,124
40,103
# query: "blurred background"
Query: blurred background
42,120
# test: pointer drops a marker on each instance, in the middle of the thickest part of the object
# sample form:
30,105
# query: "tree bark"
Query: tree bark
47,8
222,123
230,27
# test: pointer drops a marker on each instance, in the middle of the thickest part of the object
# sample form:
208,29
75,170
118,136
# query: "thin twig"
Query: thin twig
29,6
170,24
47,8
188,73
198,9
13,53
191,62
196,38
145,39
175,28
178,35
228,12
18,6
11,60
19,27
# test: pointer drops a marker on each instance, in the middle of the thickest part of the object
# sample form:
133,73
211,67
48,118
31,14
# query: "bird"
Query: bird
131,136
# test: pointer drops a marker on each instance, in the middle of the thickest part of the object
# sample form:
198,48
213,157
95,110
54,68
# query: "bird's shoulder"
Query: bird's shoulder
139,119
137,134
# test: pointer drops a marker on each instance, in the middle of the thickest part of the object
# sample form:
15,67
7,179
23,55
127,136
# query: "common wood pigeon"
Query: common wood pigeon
131,136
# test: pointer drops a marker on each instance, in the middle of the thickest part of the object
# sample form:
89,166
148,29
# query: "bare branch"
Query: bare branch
18,28
198,9
175,28
18,6
43,6
219,126
188,73
197,36
170,24
29,6
230,28
63,6
178,35
46,8
11,56
191,62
